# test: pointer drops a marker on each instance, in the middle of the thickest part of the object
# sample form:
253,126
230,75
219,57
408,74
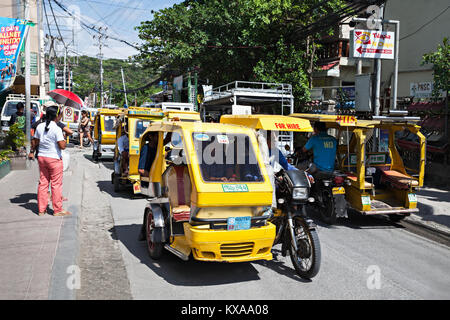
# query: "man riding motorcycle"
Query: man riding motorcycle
328,186
323,147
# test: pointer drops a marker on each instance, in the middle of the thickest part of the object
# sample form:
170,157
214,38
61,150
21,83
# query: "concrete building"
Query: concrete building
16,9
423,25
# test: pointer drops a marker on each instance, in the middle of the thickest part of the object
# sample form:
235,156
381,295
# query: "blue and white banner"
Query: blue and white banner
12,34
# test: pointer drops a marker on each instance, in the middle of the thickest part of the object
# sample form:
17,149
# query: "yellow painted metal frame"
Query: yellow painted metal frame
270,122
358,188
108,137
207,244
131,116
207,194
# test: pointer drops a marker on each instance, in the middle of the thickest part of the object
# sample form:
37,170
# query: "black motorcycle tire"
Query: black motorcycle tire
328,212
314,250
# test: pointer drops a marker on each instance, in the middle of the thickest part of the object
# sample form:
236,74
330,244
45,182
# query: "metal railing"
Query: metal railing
247,86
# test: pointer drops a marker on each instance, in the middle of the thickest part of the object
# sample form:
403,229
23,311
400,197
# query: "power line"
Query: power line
423,26
57,26
95,30
46,18
116,5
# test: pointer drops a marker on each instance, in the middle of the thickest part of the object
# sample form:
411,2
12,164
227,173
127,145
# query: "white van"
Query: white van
9,108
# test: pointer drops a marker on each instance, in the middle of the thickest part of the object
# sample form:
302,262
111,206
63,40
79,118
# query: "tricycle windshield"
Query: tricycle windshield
109,123
226,157
141,126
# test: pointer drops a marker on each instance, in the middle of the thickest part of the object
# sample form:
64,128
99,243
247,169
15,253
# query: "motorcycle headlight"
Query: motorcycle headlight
300,194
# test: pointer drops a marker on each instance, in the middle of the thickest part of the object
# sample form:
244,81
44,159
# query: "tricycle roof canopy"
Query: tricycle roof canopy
269,122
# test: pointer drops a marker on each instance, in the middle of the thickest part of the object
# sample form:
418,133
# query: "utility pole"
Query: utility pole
124,87
64,72
110,92
101,37
27,80
378,71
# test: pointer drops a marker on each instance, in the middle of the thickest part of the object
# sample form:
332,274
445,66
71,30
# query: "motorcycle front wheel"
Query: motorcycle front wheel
307,258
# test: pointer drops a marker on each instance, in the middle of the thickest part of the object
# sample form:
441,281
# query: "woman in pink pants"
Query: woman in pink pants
50,139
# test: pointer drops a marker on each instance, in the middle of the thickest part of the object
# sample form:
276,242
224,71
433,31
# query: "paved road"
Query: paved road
410,266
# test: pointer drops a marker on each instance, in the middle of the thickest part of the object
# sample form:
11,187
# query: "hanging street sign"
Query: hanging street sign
372,44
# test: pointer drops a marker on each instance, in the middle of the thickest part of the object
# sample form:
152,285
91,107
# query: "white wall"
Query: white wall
421,35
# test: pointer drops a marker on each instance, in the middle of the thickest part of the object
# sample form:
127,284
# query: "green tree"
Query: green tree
441,67
248,40
86,79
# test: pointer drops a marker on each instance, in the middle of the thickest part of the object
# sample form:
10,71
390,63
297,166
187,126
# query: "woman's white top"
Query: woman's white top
48,141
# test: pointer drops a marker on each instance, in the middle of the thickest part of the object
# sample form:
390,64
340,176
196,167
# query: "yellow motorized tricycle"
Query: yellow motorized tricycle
104,133
211,197
378,180
129,126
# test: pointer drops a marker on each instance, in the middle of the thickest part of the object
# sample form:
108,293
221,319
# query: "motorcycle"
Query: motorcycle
327,189
329,194
294,231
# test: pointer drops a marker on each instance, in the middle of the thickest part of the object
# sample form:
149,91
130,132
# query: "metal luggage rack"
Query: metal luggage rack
265,88
15,96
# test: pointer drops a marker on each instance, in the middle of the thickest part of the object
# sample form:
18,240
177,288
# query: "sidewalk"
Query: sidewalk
30,245
434,210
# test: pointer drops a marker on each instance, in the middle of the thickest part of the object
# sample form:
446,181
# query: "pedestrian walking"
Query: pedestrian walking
50,139
84,128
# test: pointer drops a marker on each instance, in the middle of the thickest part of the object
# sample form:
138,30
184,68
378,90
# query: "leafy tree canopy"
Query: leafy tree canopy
248,40
441,67
86,79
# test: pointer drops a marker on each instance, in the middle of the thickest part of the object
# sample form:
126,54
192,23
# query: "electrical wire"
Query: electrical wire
57,26
423,26
95,30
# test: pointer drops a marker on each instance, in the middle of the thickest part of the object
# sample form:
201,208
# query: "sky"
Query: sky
119,16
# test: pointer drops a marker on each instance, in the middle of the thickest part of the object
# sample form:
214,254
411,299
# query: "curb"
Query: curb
67,251
439,229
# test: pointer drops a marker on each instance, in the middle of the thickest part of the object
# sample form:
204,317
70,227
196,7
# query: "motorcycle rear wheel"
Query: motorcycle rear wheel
328,207
307,259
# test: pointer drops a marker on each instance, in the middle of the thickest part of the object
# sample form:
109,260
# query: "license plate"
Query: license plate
234,188
339,190
238,223
412,197
365,200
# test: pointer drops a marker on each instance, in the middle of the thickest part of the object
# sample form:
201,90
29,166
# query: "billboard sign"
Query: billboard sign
12,33
372,44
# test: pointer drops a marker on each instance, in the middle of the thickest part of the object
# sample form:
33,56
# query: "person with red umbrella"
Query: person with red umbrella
66,98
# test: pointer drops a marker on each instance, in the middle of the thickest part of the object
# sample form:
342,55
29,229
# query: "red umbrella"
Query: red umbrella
66,98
